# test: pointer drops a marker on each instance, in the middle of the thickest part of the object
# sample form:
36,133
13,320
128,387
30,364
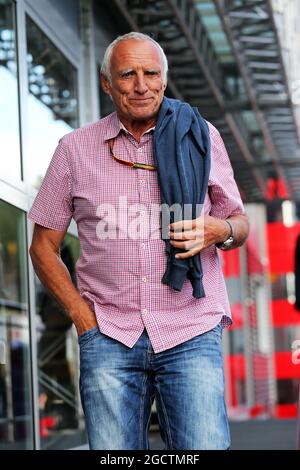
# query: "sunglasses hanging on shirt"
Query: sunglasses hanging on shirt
137,165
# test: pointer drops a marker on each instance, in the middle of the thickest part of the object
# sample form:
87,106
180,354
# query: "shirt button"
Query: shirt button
143,245
144,279
142,182
145,310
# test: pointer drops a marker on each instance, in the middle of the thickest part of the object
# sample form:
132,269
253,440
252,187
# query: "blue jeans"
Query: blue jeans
118,385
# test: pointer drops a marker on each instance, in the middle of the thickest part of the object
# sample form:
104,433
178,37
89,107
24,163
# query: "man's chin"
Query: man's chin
144,113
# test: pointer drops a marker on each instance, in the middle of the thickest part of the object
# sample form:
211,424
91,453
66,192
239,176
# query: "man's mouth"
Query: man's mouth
141,100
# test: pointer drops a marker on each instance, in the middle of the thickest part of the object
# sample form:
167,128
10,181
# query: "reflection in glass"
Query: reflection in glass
106,103
61,423
287,390
52,100
9,113
15,390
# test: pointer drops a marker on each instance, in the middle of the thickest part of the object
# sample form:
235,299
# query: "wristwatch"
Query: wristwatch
229,241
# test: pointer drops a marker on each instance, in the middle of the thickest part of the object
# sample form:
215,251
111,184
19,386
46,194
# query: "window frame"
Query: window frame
19,192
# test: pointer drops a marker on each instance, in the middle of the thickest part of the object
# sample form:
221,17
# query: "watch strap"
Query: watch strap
230,239
230,227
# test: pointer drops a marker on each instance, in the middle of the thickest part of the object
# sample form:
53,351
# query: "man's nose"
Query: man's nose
141,84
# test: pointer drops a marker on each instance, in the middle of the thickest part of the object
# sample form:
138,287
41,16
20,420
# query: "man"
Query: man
142,334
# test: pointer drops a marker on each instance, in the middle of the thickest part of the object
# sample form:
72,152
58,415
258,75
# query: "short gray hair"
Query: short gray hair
105,67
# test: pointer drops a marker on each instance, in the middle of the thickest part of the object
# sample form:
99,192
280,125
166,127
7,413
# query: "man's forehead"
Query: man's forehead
129,50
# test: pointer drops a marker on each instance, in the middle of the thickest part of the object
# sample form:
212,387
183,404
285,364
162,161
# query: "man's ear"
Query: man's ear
105,84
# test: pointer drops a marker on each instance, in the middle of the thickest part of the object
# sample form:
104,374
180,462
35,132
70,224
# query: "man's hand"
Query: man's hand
85,321
195,235
48,265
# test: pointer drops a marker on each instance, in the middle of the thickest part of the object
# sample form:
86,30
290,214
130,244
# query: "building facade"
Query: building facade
49,86
50,56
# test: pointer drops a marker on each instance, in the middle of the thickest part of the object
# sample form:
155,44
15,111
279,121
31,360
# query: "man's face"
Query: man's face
137,85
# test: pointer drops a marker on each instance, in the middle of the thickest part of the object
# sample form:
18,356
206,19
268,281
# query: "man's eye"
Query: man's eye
152,72
127,74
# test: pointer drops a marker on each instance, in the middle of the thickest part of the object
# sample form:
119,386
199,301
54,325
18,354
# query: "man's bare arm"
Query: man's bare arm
195,235
240,226
52,272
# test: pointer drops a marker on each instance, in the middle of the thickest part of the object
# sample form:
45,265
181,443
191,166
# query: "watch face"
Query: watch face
228,242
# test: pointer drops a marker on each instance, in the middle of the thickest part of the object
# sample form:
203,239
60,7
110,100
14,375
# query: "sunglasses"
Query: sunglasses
140,166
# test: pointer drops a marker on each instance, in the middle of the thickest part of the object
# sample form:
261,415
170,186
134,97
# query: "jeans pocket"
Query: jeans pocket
215,333
88,335
218,328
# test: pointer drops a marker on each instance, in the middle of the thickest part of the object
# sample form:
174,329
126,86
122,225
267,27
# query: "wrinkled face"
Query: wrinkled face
137,84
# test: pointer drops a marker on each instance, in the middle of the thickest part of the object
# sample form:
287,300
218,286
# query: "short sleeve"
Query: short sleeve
223,191
52,207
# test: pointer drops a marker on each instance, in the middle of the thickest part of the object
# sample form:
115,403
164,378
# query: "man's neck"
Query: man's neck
138,128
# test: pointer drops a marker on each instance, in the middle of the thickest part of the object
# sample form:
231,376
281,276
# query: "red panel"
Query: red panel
257,410
237,364
237,316
231,263
276,189
284,367
282,243
284,313
254,264
233,395
286,411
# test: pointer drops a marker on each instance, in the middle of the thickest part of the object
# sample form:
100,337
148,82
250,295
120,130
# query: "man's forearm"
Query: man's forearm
55,277
240,226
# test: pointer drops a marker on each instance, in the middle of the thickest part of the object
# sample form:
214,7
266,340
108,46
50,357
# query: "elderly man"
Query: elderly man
150,307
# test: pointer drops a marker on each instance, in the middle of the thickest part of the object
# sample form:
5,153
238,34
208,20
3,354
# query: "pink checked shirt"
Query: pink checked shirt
120,277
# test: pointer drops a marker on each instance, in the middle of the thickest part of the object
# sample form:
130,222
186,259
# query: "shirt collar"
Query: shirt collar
115,126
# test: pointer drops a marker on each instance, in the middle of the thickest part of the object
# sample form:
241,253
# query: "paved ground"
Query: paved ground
254,435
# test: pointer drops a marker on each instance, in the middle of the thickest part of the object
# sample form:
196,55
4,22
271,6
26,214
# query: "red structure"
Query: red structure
261,376
285,319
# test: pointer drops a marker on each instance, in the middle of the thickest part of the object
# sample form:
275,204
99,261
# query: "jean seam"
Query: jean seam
141,421
141,431
92,334
148,424
168,428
